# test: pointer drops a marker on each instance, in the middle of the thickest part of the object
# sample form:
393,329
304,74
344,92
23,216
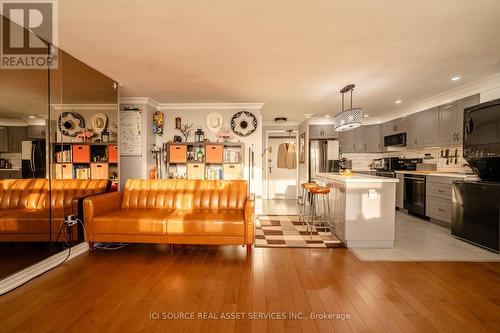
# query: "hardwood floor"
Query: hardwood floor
117,292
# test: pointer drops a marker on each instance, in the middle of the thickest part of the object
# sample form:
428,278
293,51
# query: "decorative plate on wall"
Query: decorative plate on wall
71,123
243,123
99,122
214,121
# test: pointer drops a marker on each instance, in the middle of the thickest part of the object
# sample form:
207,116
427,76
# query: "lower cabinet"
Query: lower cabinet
438,196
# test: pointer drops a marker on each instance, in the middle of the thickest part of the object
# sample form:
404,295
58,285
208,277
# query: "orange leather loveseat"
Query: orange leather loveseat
25,206
174,212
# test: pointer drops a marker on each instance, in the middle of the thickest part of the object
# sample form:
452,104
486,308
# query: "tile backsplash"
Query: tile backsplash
362,161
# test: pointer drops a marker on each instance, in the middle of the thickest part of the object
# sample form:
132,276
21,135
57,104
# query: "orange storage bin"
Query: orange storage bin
99,170
112,154
178,153
81,154
214,153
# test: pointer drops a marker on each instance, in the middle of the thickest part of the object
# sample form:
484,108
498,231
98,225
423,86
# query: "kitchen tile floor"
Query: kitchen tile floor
419,240
276,207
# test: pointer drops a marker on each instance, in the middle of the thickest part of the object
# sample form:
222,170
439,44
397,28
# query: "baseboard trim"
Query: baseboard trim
15,280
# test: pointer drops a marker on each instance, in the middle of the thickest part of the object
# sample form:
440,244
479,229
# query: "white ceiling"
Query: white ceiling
292,55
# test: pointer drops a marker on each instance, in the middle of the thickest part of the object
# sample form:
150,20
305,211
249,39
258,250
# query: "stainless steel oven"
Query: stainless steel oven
414,199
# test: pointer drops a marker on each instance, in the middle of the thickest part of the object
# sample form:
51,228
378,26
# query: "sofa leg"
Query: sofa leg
91,245
249,249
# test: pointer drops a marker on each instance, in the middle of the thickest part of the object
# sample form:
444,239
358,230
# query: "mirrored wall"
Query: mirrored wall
58,144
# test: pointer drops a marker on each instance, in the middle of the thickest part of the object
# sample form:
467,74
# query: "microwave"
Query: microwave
395,140
482,139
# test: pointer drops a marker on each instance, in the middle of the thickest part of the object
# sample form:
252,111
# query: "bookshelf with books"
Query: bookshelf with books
205,160
81,160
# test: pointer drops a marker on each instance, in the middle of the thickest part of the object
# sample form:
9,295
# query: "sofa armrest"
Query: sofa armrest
97,205
249,219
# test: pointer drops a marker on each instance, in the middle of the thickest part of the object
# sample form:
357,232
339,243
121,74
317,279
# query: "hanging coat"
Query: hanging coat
291,157
282,156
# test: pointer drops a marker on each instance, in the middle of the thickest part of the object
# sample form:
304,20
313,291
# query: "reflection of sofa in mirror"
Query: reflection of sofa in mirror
24,207
173,211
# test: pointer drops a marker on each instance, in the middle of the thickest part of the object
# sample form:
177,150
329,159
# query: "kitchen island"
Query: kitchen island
363,208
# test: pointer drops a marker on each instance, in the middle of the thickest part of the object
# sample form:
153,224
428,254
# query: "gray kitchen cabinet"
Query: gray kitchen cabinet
322,132
346,140
451,117
359,139
438,198
4,139
423,129
16,135
373,143
400,190
36,131
10,174
395,126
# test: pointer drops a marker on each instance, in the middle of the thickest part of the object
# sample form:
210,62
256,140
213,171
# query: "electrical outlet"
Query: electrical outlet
70,220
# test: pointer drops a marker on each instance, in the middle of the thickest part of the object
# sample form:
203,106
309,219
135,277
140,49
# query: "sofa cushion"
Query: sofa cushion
206,222
182,194
131,222
30,221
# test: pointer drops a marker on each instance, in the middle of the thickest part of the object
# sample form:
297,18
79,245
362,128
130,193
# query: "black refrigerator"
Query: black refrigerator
34,162
476,204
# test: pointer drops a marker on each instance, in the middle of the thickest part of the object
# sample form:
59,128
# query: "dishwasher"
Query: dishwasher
414,198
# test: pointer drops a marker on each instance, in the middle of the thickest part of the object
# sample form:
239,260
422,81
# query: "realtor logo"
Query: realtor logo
29,29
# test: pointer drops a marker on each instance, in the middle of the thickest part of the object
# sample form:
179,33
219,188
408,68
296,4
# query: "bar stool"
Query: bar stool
302,200
319,212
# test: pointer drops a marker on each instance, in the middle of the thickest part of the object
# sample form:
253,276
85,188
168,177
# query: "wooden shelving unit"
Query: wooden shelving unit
205,160
82,160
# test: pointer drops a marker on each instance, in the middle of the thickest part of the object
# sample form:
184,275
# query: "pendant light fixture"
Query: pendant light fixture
350,118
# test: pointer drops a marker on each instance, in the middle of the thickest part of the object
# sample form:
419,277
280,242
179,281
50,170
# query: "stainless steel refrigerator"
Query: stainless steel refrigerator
323,157
33,159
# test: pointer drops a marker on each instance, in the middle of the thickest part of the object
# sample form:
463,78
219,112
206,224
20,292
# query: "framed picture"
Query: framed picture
178,122
302,148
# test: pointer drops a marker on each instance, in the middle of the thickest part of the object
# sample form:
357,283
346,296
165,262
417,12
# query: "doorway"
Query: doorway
281,166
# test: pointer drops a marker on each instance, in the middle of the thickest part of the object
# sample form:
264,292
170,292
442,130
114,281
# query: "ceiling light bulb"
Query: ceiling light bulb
366,115
455,78
398,101
31,117
327,116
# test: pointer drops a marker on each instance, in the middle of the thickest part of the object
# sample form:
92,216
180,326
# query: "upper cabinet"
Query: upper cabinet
346,139
373,140
16,135
322,132
451,117
364,139
395,126
423,129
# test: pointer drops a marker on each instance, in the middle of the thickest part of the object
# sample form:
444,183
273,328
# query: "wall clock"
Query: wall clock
71,123
243,123
214,122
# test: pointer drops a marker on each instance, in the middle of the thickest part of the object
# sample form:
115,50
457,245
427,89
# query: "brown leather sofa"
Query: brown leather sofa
25,206
172,211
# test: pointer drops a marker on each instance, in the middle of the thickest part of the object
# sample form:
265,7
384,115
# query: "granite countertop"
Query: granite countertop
355,178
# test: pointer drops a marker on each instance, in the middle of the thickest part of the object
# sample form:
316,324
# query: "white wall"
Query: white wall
304,167
137,167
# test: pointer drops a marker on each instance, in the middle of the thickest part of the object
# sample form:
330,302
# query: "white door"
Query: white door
281,182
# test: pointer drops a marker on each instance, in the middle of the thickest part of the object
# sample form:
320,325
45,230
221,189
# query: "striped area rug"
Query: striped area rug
287,231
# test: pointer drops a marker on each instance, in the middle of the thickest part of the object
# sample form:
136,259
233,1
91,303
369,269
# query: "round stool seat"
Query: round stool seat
309,185
319,190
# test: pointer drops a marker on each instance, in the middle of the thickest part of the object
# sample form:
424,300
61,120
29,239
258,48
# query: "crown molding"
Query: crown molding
84,107
468,89
210,106
139,100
